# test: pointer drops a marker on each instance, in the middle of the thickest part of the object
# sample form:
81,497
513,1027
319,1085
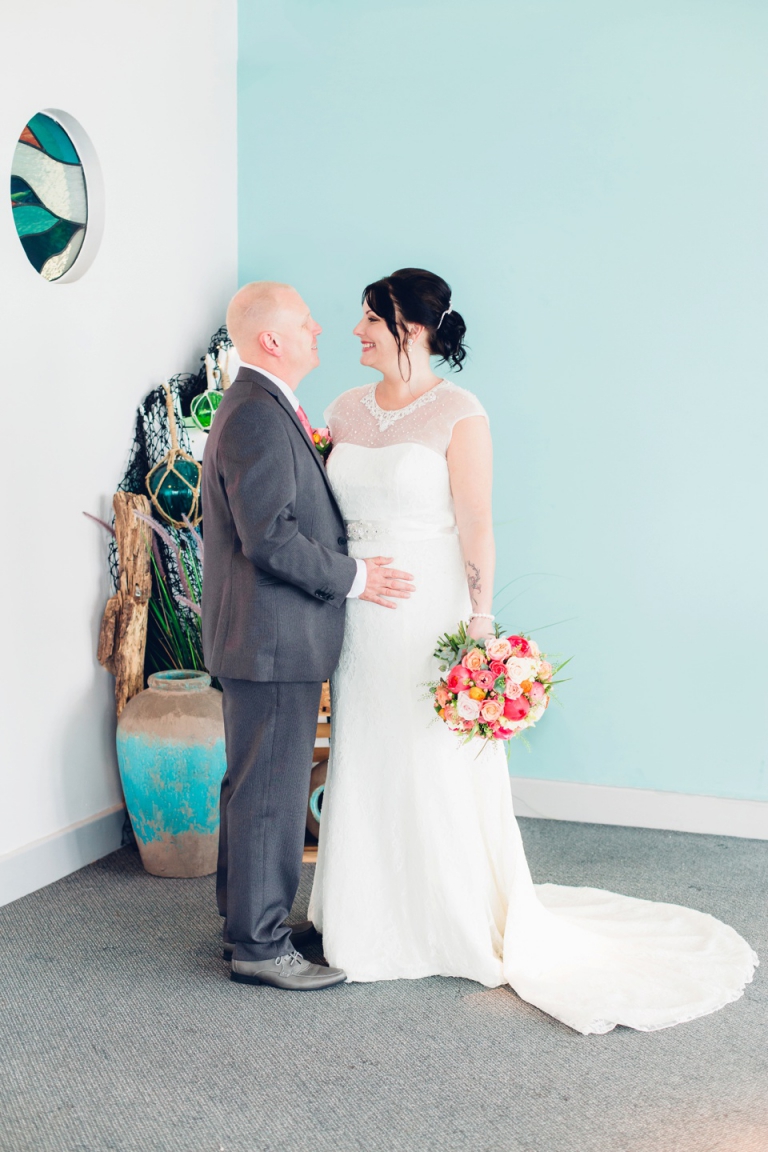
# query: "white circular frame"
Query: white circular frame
94,191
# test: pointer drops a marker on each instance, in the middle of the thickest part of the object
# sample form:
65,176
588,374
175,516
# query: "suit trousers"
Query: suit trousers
270,734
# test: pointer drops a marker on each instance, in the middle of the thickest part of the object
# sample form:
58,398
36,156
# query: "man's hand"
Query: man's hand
383,581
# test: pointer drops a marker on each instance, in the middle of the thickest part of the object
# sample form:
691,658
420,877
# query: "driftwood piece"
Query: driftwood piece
123,635
106,652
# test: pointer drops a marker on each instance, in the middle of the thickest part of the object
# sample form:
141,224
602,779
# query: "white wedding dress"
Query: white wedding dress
421,869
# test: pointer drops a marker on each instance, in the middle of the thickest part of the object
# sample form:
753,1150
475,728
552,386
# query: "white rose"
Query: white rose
535,650
466,707
520,668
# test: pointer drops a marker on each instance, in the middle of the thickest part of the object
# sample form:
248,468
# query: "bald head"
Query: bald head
256,308
272,327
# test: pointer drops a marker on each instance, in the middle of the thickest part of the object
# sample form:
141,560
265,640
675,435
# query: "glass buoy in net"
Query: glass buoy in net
174,483
204,407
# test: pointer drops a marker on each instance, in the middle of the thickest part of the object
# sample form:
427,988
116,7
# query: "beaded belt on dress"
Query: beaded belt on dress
396,529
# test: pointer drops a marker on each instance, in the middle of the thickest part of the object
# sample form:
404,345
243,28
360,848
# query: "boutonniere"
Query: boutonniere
322,440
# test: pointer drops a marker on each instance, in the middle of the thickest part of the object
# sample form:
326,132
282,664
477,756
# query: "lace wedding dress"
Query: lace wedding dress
421,869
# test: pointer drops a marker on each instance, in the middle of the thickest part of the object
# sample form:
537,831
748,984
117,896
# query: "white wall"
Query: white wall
154,85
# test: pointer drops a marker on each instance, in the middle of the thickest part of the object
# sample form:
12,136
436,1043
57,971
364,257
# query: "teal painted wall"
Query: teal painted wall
592,179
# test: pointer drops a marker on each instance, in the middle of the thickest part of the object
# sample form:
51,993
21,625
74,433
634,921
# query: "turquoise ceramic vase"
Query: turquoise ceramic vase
170,748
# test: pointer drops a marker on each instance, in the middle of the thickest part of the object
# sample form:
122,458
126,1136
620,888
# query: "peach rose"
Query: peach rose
512,690
474,659
498,648
545,670
492,710
443,695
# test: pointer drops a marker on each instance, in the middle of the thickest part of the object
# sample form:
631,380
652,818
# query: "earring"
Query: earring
410,343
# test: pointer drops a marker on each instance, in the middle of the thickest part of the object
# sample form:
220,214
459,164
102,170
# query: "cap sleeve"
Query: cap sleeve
465,404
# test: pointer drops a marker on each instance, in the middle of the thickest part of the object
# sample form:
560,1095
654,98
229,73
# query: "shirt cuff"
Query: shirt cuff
359,582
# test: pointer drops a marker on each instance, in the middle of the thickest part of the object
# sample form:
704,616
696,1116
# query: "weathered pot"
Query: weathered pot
170,748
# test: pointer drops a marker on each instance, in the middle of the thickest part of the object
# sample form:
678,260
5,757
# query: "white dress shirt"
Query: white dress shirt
359,582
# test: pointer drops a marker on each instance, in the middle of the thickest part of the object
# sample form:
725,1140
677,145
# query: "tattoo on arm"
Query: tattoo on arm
473,580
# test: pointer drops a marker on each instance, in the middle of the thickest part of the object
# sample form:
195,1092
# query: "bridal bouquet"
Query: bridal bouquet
492,688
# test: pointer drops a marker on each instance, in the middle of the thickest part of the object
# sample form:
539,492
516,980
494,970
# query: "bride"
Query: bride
421,869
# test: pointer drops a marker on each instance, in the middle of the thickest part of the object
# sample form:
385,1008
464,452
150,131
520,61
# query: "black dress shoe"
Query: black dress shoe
301,933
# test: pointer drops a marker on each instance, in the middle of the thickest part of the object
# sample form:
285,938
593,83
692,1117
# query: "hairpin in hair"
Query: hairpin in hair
447,312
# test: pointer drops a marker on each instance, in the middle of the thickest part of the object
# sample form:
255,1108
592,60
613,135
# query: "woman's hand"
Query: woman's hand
480,628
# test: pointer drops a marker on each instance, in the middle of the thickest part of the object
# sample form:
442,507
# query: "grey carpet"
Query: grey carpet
120,1031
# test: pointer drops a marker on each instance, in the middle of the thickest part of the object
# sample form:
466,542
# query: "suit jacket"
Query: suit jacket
276,570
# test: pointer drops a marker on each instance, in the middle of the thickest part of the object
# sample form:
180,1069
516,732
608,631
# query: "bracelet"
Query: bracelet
481,616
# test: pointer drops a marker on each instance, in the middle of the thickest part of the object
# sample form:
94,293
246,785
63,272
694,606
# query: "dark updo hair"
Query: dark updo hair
420,297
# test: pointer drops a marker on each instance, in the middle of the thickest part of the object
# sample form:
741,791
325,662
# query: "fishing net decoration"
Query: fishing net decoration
151,442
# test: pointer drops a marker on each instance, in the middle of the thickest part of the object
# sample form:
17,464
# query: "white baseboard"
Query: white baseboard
639,808
43,861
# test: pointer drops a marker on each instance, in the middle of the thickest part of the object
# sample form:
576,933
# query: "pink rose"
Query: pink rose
520,645
537,692
443,695
467,708
474,659
458,679
512,690
545,670
498,648
498,669
492,710
484,679
516,709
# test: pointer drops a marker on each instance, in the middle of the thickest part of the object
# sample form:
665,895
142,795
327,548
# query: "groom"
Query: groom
277,577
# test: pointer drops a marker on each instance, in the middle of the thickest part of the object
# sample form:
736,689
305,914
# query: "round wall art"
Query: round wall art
56,196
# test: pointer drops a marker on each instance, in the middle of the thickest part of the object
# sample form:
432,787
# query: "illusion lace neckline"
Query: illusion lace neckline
385,418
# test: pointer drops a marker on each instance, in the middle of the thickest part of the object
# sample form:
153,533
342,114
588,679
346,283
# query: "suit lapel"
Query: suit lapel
269,386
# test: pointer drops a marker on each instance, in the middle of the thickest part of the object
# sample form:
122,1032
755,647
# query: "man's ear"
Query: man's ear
270,343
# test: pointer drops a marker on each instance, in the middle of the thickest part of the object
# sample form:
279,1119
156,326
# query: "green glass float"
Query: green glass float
174,483
204,407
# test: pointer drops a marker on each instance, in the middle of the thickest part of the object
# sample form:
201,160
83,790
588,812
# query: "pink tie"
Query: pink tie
305,422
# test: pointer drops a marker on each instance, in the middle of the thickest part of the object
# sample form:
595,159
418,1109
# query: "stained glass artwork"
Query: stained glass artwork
203,408
49,196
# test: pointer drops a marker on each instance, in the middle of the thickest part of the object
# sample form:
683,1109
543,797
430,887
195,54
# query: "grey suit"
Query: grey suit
275,583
